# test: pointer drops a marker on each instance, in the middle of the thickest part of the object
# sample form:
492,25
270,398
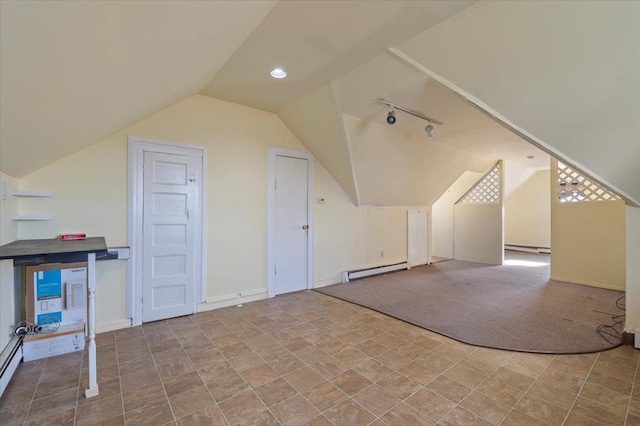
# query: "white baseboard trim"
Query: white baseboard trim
233,299
528,249
113,325
324,283
589,283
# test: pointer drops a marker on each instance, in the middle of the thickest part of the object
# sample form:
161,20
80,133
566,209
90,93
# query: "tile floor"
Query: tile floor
306,358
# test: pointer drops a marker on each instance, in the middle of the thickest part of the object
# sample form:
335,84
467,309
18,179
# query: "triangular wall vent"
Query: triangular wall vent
574,187
486,191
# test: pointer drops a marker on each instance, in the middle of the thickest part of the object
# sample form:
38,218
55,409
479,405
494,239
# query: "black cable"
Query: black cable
608,331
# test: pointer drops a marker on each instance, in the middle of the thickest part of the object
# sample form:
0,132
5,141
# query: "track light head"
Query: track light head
431,132
391,117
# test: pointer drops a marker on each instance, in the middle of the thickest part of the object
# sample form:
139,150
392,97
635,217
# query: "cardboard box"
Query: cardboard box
66,339
56,293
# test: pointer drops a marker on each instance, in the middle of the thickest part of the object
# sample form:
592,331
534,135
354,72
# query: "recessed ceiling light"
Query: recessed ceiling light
278,73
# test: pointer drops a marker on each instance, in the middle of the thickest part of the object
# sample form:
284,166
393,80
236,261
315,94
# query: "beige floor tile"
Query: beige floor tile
512,378
500,392
430,403
191,401
372,370
143,396
459,417
349,412
304,378
488,409
516,418
405,415
307,354
275,391
350,382
375,399
399,385
177,385
553,393
99,411
541,410
448,388
241,406
260,375
154,414
325,395
294,411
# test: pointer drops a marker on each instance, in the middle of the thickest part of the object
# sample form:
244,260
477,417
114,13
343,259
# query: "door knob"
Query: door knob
305,227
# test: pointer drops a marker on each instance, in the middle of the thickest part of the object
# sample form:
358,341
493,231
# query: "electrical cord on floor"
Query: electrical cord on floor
609,332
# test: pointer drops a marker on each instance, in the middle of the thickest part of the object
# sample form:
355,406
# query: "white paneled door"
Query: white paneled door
291,227
170,212
417,237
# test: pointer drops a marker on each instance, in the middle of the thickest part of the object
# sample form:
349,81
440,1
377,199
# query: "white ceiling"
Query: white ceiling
316,42
464,127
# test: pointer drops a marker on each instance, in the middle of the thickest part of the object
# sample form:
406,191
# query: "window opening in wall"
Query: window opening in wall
486,191
573,187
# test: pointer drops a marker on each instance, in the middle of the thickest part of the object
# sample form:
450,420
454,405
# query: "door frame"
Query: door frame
272,153
135,195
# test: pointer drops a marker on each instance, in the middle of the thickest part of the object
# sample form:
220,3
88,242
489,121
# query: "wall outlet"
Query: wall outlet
4,190
381,253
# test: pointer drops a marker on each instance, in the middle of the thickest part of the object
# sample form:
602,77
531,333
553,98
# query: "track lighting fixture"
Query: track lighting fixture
431,132
391,117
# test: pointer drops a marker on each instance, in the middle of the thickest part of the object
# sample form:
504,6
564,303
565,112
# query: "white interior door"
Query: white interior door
170,185
418,237
291,227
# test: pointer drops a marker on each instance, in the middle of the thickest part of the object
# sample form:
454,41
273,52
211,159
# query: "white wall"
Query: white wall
8,233
442,214
527,215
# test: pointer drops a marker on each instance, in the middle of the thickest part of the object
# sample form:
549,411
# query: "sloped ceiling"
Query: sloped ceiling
316,42
567,73
74,72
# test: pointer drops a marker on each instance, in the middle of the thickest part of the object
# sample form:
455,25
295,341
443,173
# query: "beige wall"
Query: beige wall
527,216
633,268
397,168
478,233
349,237
587,241
90,195
8,233
442,214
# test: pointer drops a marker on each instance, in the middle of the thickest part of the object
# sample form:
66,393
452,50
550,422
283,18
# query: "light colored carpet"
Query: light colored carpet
514,306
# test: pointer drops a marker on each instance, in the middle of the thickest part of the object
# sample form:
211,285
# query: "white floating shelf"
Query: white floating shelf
31,194
24,217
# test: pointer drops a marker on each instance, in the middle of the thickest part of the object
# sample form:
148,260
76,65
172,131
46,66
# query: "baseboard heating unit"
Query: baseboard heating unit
528,249
9,360
346,276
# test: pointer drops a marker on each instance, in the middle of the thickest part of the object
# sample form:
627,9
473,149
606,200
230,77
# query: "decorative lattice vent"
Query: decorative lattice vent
486,191
574,187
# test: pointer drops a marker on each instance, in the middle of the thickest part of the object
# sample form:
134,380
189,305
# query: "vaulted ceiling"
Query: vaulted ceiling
564,75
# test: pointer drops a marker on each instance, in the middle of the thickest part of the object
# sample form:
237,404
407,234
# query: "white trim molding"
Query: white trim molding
272,153
137,148
233,299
